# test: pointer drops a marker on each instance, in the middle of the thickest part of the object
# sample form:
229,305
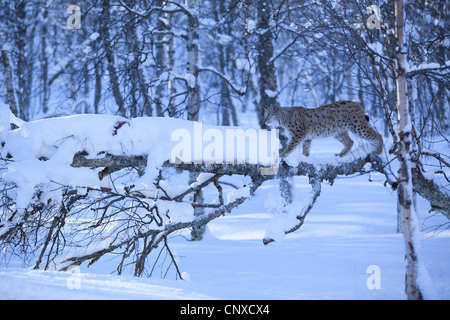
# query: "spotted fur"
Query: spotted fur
331,120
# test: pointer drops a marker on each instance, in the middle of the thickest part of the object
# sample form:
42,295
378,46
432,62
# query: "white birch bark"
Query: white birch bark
193,106
11,97
113,76
192,67
405,188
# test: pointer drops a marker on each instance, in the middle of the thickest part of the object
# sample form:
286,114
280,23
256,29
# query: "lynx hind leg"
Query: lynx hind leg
368,133
345,139
378,140
306,147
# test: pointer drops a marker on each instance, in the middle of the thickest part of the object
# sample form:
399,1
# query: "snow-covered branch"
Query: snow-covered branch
425,68
84,186
96,249
428,189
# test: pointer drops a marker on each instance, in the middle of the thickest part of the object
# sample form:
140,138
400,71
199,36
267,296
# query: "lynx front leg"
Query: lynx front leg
295,141
345,139
306,147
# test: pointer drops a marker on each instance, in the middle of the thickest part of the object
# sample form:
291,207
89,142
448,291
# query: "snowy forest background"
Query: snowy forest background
218,62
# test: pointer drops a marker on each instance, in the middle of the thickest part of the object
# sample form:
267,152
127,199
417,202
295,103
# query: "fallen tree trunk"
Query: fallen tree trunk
428,189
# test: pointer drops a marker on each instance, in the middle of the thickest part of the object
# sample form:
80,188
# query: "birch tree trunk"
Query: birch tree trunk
11,98
404,191
161,47
192,67
224,51
113,77
193,106
44,61
268,84
170,49
23,66
267,78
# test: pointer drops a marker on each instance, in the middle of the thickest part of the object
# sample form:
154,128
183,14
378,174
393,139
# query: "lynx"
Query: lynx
331,120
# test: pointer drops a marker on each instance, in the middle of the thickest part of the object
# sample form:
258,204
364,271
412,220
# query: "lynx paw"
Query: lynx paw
341,154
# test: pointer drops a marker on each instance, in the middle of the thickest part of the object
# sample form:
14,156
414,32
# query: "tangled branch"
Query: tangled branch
88,223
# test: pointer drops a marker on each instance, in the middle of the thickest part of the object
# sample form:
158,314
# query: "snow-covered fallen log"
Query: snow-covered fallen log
78,188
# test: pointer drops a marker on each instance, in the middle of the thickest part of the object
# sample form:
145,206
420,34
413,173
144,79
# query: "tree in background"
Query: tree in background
213,60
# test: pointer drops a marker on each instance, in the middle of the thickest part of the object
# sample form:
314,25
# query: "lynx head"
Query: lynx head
272,116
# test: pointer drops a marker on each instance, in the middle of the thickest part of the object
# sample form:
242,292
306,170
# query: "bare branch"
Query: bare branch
427,189
239,91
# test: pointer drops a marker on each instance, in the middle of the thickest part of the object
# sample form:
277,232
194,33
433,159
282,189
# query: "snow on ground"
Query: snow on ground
26,284
347,248
351,228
